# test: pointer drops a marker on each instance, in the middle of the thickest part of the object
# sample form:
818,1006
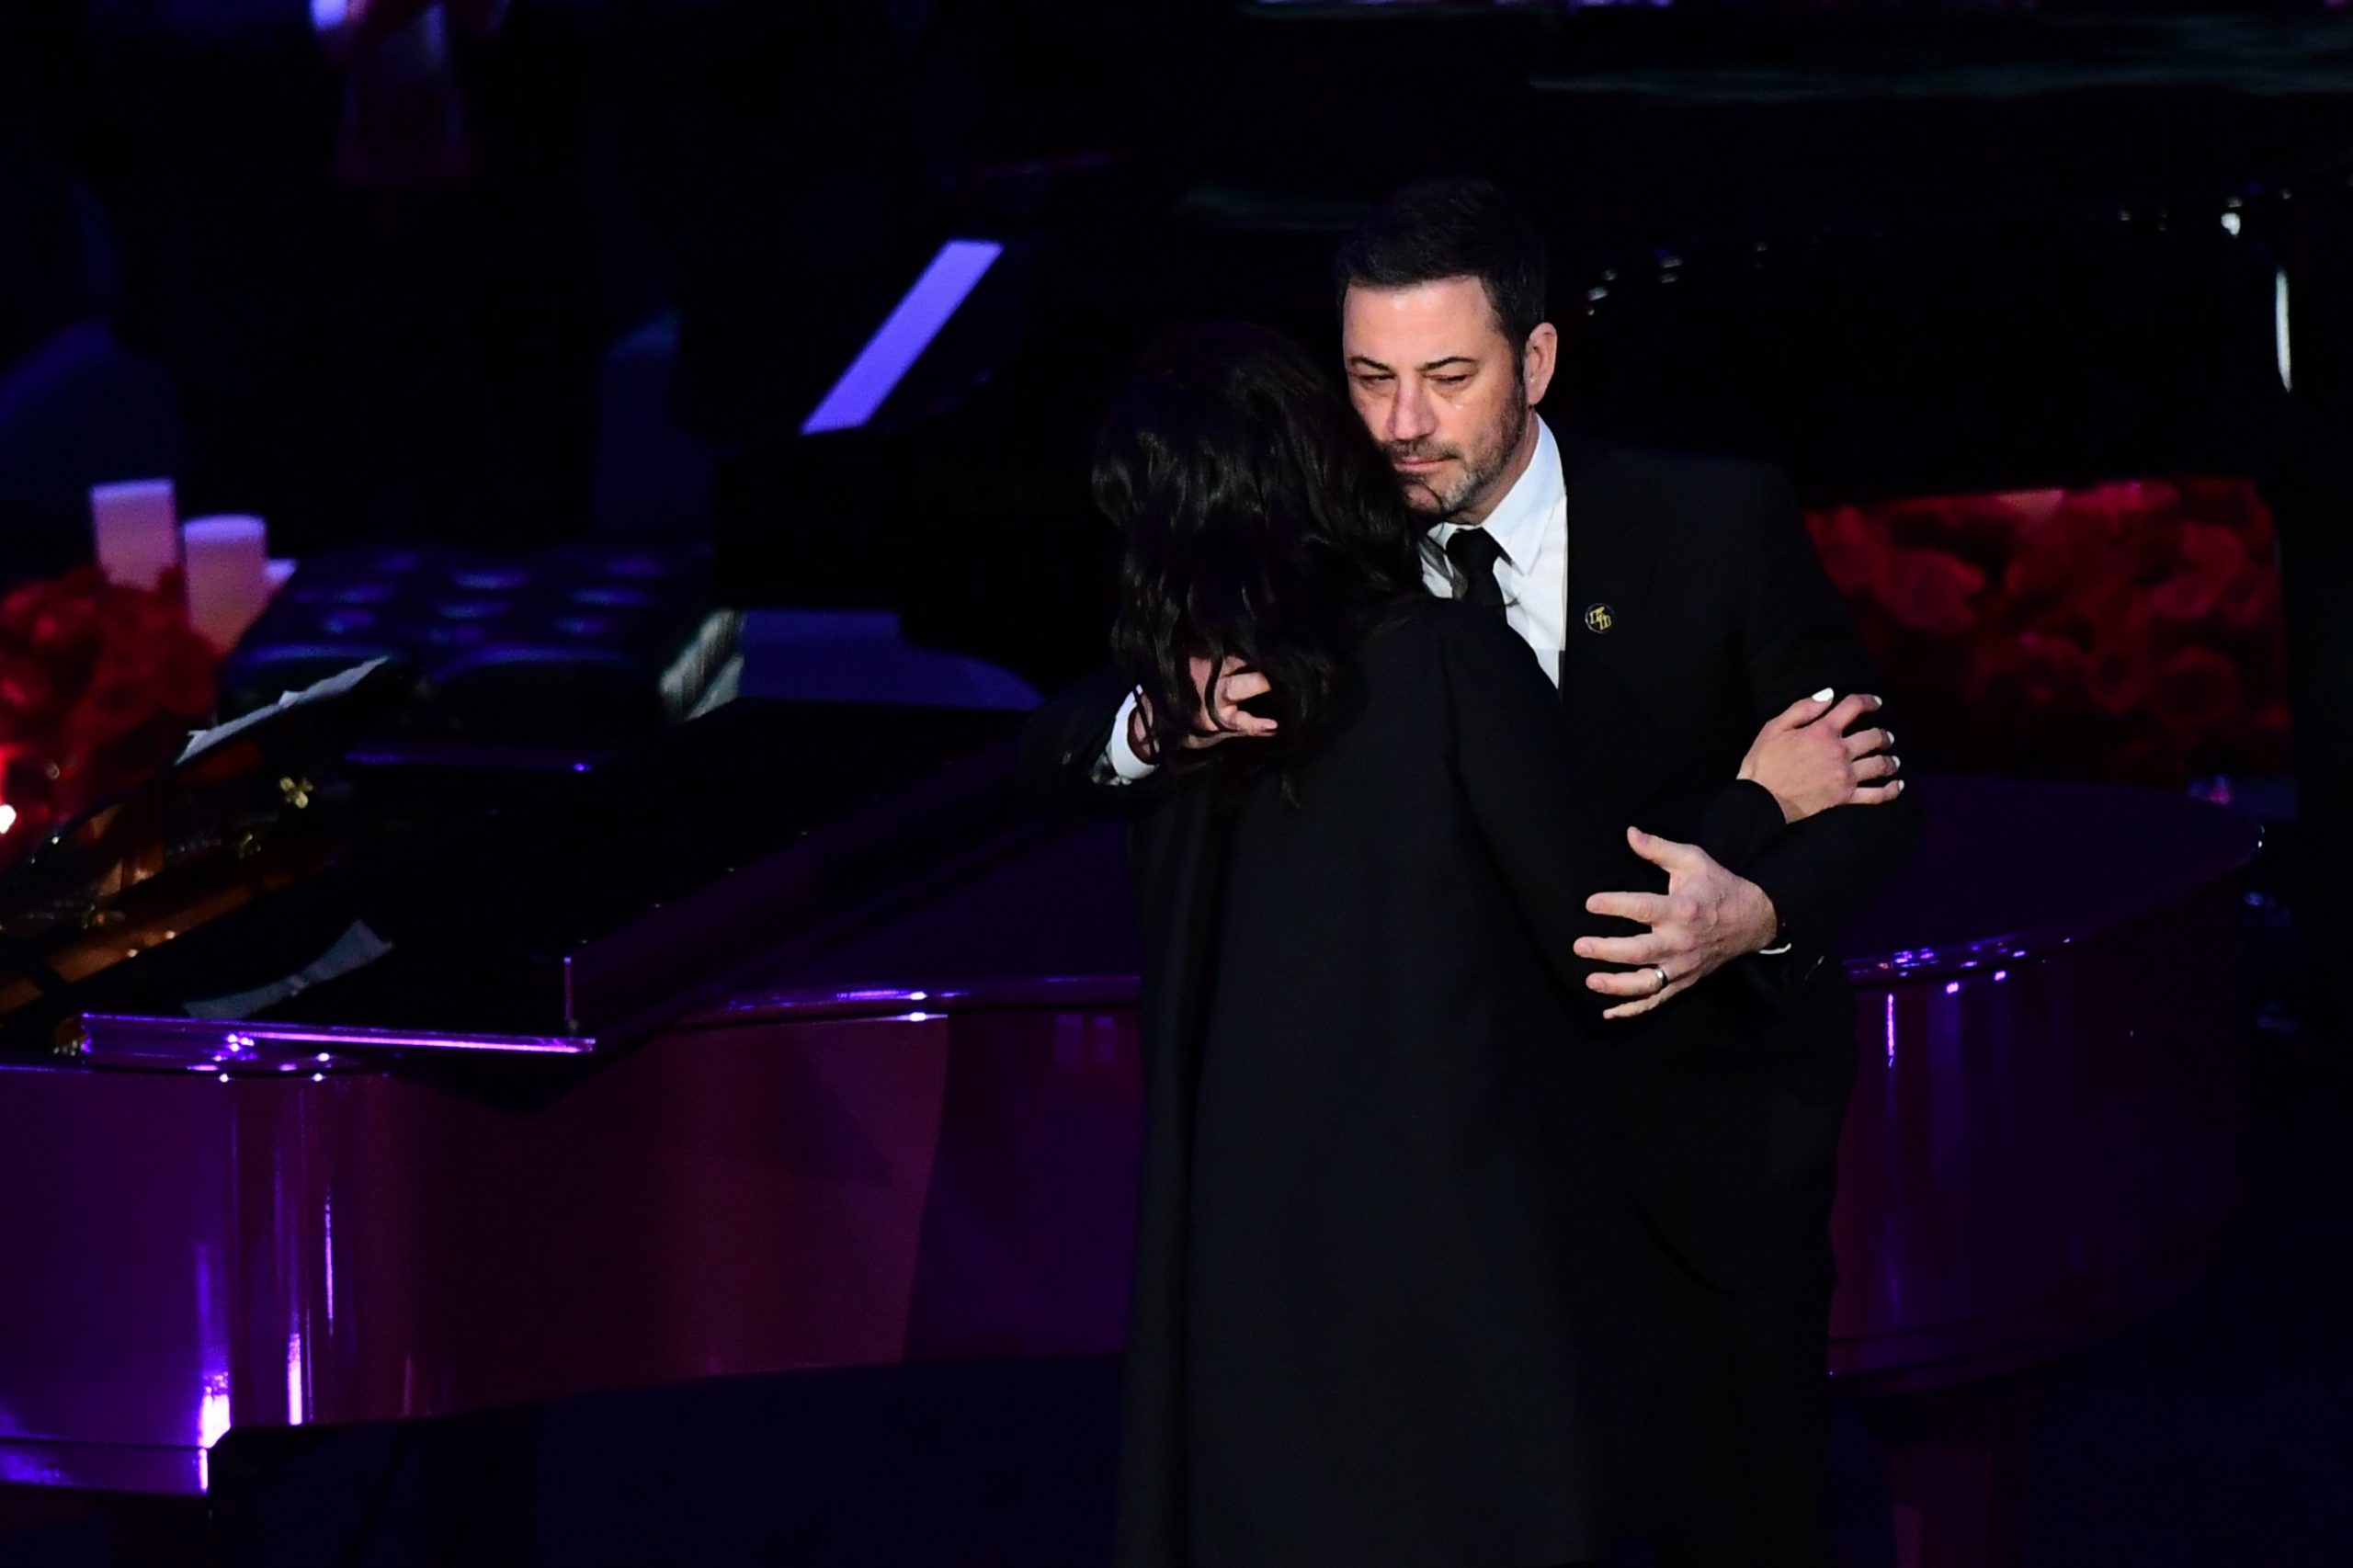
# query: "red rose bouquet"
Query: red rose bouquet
99,686
2130,632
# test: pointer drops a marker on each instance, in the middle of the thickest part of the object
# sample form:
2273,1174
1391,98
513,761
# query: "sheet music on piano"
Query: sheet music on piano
332,687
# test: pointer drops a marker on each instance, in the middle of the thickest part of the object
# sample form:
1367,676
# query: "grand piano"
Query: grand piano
839,1068
790,1041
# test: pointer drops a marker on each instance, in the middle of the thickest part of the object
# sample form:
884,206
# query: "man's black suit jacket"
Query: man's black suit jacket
1697,610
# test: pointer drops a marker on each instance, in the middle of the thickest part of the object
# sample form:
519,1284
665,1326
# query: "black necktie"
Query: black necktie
1474,556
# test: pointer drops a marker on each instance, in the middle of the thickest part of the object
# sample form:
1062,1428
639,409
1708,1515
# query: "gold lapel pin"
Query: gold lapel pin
1598,619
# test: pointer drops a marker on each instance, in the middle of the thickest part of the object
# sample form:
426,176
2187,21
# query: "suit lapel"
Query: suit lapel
1608,570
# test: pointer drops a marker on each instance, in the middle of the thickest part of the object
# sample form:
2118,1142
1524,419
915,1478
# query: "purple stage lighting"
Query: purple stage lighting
892,352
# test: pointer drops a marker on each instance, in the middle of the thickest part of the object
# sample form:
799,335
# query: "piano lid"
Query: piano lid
248,806
282,876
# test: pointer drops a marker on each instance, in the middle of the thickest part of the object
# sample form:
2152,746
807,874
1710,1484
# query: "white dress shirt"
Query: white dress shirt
1530,525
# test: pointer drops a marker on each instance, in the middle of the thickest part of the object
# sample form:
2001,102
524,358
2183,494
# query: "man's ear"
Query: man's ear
1539,359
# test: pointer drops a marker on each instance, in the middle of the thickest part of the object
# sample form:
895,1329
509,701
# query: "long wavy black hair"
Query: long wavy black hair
1262,524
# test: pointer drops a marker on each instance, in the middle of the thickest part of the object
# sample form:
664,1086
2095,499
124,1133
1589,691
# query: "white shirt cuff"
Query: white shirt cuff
1121,765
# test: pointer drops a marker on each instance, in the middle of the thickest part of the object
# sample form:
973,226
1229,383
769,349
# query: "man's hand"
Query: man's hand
1706,918
1220,717
1805,755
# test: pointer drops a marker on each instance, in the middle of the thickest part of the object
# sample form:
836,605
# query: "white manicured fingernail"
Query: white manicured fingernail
1822,695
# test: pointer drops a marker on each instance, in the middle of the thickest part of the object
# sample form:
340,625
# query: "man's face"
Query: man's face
1444,390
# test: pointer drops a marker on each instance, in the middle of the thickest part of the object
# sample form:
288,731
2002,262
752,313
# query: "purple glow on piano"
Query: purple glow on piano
900,341
1020,1127
327,1224
212,1392
212,1410
1890,1028
132,1039
25,1470
542,1045
211,1424
1953,987
294,1378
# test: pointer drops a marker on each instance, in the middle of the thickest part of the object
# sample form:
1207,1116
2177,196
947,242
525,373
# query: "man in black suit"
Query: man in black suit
1679,604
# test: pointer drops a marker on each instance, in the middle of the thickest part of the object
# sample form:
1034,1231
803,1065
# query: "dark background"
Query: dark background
1903,250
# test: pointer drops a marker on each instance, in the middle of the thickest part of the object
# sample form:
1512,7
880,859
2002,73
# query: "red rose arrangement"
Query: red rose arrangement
2129,633
99,687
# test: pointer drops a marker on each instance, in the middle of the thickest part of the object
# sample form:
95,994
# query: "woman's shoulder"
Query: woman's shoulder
1433,645
1449,628
1426,619
1407,633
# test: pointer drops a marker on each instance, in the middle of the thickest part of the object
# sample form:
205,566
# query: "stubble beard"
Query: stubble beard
1482,471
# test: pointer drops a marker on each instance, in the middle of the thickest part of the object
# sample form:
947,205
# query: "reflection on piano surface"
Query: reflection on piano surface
870,1097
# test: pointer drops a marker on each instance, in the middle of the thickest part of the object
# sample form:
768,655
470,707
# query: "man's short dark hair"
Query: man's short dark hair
1451,227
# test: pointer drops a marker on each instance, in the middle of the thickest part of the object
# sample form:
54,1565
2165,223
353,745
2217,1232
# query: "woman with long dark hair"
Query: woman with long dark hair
1371,1321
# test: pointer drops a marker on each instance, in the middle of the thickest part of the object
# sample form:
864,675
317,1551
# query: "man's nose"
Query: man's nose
1410,418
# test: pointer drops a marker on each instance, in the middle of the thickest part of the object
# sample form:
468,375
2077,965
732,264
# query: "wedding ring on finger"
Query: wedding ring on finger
1664,982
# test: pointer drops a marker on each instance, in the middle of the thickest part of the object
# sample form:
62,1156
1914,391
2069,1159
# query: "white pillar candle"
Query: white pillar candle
136,529
227,561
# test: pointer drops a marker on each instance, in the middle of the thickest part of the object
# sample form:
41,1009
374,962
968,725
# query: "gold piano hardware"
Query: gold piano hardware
109,934
296,791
